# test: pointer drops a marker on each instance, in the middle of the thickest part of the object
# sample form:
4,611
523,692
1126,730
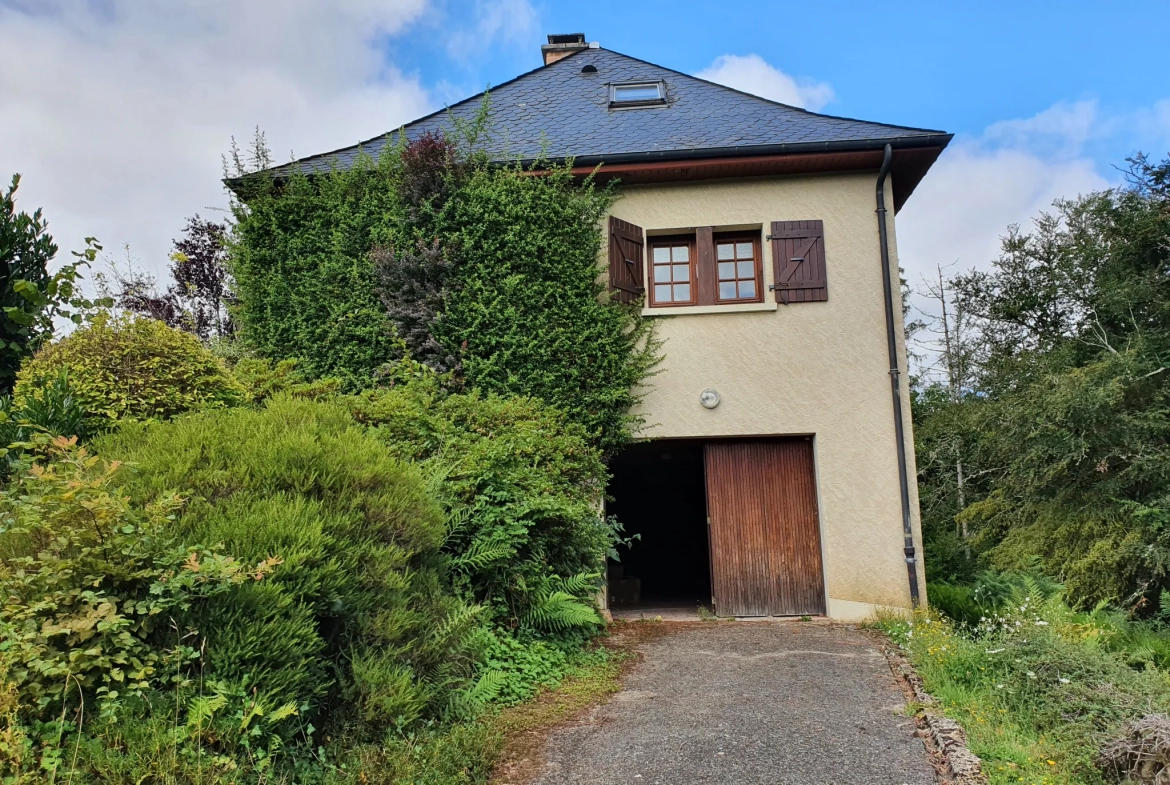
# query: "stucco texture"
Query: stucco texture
816,368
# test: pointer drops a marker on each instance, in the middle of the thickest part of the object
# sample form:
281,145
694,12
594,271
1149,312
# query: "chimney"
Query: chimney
562,45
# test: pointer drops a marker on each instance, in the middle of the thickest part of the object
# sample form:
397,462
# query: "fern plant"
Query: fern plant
560,605
466,703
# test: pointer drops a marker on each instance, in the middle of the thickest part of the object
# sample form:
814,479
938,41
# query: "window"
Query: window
738,268
672,266
639,94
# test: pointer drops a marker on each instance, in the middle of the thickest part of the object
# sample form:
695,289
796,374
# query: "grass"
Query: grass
1037,687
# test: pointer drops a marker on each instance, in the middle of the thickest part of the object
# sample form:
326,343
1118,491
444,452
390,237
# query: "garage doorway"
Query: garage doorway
728,524
765,536
658,493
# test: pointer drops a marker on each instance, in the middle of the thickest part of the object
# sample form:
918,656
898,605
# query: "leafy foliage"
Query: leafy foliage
357,615
482,269
299,257
55,411
1065,428
200,296
30,297
521,483
89,581
414,284
1038,687
557,607
130,367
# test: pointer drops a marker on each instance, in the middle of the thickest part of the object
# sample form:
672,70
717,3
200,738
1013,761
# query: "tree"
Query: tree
199,299
1068,415
30,296
948,344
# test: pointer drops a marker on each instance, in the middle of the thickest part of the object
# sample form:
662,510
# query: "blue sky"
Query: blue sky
117,111
958,67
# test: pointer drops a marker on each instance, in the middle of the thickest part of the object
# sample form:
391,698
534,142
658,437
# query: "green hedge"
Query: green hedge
520,302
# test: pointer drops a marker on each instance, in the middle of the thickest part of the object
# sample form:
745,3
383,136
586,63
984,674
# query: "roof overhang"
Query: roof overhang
912,158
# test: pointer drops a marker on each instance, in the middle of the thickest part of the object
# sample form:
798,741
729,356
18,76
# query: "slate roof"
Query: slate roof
565,113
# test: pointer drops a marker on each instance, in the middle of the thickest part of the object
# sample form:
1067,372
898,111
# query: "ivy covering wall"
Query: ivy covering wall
487,272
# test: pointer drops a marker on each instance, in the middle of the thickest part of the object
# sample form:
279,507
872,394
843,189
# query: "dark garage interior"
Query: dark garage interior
658,492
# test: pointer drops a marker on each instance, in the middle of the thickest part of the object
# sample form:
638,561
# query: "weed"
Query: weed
1038,687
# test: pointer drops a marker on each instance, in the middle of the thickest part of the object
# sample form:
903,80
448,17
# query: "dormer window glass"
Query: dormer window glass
636,94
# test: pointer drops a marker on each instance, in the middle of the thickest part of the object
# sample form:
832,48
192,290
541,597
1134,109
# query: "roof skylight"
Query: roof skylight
636,94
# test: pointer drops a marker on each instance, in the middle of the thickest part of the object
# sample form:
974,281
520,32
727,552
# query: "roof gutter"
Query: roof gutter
939,140
895,380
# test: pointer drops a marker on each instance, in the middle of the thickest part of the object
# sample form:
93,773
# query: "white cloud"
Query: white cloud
979,186
496,21
1060,130
116,113
752,74
1012,172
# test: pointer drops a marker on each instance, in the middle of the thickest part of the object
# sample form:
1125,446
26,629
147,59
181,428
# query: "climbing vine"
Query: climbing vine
484,271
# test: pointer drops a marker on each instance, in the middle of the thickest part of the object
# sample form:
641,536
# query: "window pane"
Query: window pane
746,269
661,255
679,253
743,250
682,292
727,290
662,294
726,251
747,289
661,273
726,270
682,272
647,92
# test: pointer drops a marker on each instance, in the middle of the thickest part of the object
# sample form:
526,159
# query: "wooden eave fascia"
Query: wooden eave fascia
909,166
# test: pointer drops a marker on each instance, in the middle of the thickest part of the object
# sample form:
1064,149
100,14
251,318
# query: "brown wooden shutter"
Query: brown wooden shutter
626,270
706,273
798,259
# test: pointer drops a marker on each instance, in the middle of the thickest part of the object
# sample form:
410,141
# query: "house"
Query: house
777,478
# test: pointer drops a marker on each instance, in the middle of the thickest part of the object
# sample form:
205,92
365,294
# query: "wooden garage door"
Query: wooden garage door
765,542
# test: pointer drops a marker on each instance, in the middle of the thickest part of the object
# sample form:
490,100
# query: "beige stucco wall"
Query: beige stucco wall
808,368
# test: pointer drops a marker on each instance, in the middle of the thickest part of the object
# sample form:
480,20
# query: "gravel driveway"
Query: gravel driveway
767,703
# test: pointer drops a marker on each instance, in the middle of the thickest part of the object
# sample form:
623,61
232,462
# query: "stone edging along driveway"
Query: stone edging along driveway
946,736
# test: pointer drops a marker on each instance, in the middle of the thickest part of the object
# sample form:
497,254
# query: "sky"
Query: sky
116,112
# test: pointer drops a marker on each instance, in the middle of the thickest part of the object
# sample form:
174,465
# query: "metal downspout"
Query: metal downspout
895,379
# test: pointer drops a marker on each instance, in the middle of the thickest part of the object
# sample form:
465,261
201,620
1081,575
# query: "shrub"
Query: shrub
55,411
957,603
523,485
131,368
263,379
89,580
356,624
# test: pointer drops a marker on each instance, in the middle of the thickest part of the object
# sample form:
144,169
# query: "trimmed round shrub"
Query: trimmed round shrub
131,367
356,623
